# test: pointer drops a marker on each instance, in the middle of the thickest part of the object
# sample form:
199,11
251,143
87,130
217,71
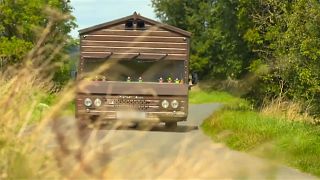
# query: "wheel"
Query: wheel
134,125
171,124
83,126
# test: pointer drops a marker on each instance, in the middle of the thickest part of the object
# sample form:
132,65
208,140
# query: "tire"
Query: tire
134,125
83,127
171,125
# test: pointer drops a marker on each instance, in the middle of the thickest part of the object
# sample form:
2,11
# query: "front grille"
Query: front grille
136,104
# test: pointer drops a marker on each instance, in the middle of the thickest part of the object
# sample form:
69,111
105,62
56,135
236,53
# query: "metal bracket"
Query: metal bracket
95,57
164,56
136,56
108,56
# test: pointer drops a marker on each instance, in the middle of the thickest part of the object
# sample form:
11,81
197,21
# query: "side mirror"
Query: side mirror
74,75
195,78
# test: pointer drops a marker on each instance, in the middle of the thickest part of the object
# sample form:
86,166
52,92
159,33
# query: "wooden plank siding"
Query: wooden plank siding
132,50
150,43
135,38
134,44
127,55
135,33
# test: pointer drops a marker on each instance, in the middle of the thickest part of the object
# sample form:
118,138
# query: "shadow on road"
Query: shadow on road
180,128
156,128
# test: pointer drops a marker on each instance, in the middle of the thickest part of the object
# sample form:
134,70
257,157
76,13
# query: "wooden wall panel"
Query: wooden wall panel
152,43
134,44
135,33
155,39
133,50
145,56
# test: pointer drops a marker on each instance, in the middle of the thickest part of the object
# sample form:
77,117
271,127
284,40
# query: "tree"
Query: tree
277,41
21,23
285,35
217,49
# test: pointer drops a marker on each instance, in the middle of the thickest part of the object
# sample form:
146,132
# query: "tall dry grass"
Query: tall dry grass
51,148
285,109
288,110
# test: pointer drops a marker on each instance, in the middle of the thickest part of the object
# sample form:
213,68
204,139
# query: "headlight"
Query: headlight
97,102
87,102
174,104
165,104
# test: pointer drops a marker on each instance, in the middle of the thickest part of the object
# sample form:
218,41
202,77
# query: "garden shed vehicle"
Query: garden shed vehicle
133,68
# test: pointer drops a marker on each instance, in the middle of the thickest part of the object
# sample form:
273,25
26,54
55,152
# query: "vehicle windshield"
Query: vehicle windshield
165,71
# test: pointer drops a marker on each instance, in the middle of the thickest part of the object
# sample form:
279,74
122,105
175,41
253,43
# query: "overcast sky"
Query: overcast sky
93,12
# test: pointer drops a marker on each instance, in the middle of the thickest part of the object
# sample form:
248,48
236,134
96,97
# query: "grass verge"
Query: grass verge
239,127
197,96
46,101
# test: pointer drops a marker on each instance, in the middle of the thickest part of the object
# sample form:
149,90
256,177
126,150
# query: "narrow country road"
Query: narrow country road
182,153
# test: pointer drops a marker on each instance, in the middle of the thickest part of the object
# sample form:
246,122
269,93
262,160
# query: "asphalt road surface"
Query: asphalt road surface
184,152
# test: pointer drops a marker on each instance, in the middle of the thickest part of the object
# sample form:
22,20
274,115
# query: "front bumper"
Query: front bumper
149,116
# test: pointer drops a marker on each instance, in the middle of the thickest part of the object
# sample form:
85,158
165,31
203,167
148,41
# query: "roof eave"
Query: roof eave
100,26
166,26
118,21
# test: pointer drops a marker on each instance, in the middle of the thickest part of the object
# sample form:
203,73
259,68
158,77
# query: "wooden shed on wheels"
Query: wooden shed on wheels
148,55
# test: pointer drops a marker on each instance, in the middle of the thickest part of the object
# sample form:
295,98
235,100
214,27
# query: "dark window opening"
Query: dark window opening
140,24
129,24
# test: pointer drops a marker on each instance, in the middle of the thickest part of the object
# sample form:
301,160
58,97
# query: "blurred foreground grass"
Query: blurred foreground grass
270,136
35,142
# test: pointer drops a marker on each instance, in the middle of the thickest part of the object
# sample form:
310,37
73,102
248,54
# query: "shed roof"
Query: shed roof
135,16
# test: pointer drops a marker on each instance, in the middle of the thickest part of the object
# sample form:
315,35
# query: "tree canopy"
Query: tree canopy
233,38
21,23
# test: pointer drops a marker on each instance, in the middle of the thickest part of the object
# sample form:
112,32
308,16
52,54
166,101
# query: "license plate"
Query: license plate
136,115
